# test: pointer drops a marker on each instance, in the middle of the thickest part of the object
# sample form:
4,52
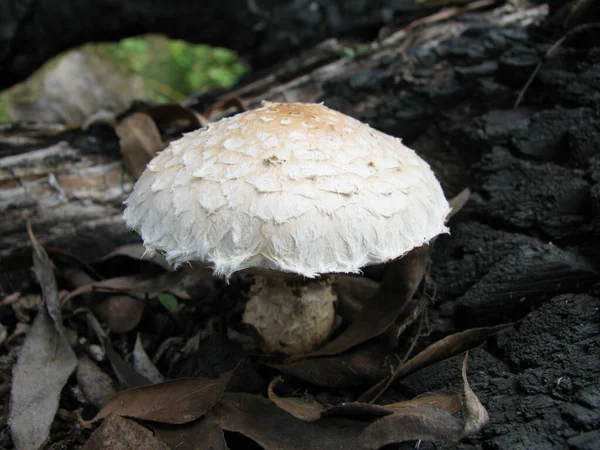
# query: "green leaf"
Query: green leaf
347,52
170,303
362,50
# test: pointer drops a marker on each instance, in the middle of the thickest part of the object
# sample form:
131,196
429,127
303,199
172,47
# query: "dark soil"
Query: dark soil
525,248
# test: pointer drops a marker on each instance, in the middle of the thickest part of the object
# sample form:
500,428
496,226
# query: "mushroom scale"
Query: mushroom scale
297,188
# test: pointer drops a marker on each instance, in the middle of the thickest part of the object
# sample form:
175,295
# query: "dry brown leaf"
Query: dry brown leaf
45,363
363,364
447,347
397,288
308,409
261,420
425,422
305,408
429,418
72,261
413,310
443,349
448,401
173,118
120,313
127,376
143,364
118,433
118,284
134,251
202,434
176,401
225,107
357,410
476,415
96,386
140,140
343,427
353,293
138,286
458,202
76,276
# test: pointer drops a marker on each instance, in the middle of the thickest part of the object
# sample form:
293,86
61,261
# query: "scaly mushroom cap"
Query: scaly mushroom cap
293,187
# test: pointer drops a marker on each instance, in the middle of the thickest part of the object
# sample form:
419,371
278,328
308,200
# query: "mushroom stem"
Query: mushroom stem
292,315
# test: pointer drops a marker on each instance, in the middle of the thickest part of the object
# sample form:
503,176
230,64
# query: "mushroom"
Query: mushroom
294,193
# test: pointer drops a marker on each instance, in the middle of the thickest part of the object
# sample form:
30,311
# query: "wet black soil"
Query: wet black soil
526,247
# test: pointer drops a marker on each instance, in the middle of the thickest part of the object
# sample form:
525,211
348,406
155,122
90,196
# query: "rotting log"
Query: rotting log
72,198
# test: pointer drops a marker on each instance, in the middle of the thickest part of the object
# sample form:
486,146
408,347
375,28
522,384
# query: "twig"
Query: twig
390,379
549,53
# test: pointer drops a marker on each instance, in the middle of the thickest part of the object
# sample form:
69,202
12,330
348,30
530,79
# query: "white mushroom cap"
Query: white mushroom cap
294,187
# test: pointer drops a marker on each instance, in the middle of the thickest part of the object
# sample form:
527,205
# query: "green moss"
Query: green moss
174,69
4,109
171,69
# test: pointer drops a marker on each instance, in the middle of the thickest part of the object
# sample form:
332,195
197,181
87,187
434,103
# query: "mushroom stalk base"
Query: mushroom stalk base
292,316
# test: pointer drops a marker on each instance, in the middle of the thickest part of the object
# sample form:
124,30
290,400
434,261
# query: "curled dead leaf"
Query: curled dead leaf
344,427
173,118
125,373
307,408
120,313
353,293
225,107
96,385
143,364
123,434
425,422
134,251
444,348
304,408
458,202
476,415
45,362
447,347
448,401
175,401
202,434
137,286
140,140
363,364
261,420
398,286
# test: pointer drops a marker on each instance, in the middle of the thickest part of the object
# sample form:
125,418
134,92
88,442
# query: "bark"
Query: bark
72,197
